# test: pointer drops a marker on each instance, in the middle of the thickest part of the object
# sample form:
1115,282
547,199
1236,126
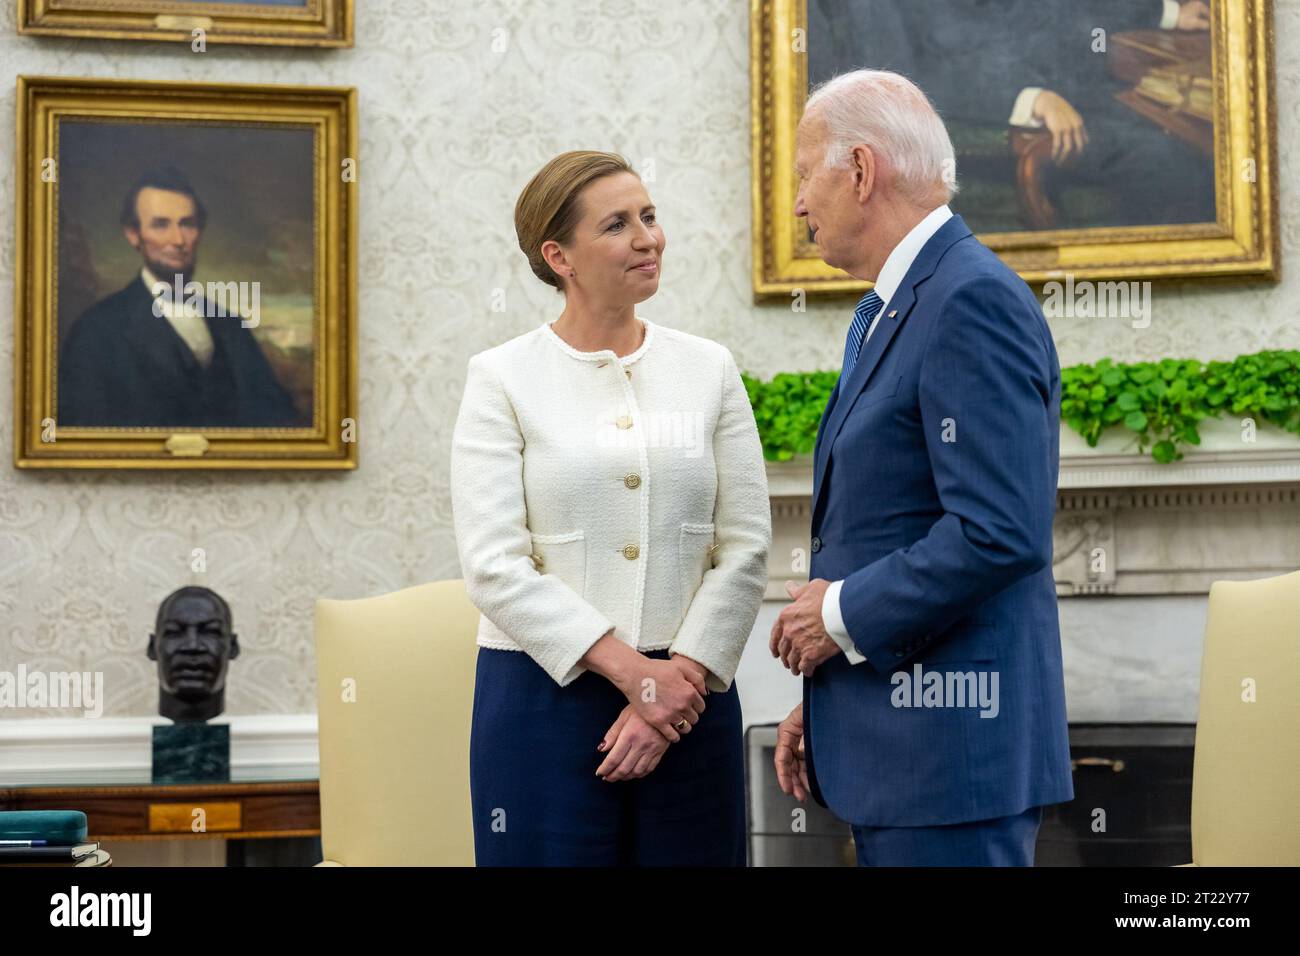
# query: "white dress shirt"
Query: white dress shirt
891,275
192,328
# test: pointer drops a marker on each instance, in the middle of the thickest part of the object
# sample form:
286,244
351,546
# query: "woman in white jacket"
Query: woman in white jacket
613,525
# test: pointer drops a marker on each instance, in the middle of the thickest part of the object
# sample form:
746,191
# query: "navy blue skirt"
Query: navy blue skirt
538,802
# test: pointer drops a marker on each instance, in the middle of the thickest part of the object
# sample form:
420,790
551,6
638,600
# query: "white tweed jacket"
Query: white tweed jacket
593,492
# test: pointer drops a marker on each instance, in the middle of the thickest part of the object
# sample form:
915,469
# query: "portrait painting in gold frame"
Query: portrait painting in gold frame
185,291
1110,139
318,23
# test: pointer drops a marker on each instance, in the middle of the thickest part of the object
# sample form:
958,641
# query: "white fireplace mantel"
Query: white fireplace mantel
1224,457
1126,524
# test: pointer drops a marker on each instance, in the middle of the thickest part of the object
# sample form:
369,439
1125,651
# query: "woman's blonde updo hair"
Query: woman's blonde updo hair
548,207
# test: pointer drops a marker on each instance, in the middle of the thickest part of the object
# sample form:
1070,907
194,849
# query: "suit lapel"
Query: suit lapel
873,349
821,425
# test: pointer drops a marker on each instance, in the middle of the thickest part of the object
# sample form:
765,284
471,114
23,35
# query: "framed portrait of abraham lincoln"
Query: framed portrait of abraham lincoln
1099,139
186,293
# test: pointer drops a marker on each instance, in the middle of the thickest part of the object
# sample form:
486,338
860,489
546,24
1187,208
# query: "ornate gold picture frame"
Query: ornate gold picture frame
185,281
322,23
1218,103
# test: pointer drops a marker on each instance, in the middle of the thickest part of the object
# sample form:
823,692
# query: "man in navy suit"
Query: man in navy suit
933,717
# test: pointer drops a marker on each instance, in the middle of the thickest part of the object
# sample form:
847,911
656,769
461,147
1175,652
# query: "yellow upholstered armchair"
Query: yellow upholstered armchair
395,691
1246,775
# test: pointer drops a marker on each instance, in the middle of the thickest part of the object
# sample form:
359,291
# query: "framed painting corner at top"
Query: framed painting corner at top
307,23
188,263
1177,176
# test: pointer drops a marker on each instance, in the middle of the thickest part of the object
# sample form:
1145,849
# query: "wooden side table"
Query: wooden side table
230,811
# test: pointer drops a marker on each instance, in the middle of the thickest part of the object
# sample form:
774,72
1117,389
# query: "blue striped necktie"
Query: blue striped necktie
868,307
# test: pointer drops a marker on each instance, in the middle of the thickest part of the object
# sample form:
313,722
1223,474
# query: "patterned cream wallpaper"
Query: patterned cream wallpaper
459,104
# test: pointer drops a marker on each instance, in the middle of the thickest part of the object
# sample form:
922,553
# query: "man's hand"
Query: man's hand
1063,122
799,637
633,748
791,770
1193,15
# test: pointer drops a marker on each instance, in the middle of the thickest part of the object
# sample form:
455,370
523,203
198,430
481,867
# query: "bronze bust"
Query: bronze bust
193,644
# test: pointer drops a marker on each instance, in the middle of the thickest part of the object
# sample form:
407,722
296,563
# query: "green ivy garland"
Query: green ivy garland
788,410
1162,402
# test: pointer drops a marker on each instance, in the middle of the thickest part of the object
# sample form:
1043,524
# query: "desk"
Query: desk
1172,78
135,809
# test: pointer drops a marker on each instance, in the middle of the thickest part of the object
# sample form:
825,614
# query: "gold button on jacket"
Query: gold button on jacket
631,552
632,481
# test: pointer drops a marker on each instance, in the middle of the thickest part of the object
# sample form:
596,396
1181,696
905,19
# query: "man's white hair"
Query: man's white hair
889,113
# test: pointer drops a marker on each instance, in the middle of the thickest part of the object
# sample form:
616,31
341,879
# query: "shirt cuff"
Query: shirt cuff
1022,114
1169,19
833,621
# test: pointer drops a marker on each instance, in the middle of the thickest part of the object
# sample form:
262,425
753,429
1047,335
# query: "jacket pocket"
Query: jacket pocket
694,557
563,555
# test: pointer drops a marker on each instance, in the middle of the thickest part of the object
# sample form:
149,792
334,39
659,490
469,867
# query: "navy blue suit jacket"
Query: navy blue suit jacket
934,491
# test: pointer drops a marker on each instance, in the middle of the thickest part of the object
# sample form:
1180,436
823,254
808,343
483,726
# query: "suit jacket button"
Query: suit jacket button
624,422
816,545
632,481
631,552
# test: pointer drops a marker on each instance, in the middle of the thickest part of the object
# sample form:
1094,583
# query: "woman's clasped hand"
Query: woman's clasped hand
665,699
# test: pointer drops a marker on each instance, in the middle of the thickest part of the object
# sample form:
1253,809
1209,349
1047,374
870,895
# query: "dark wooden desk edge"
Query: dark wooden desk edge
140,795
159,791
